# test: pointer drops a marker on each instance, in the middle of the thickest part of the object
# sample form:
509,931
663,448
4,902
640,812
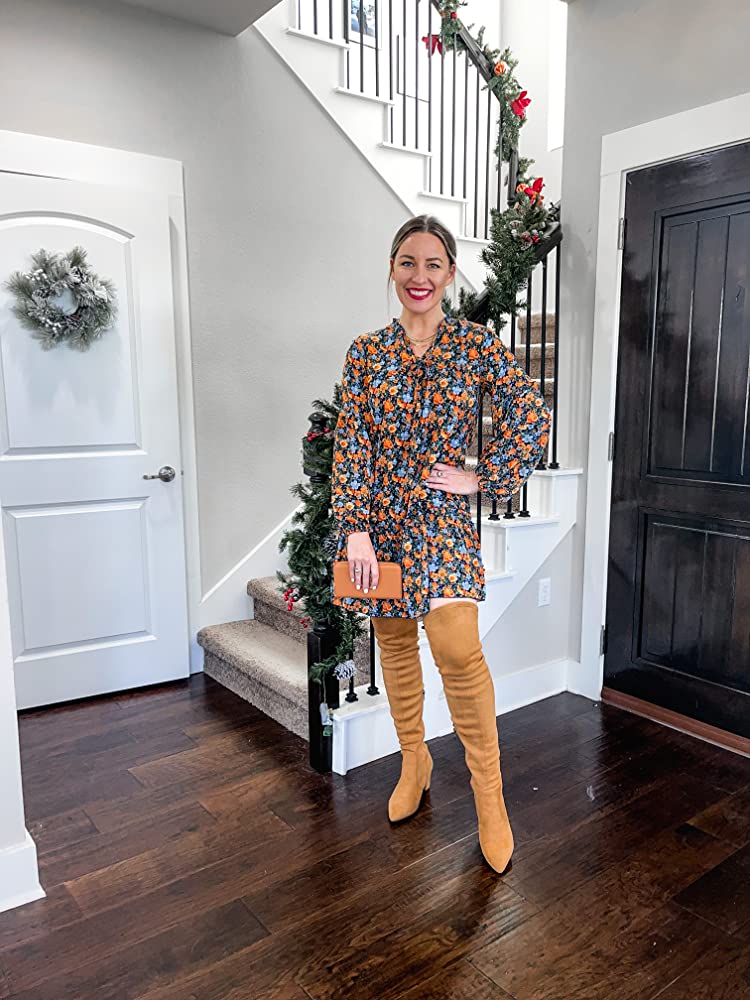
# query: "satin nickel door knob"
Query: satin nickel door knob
166,473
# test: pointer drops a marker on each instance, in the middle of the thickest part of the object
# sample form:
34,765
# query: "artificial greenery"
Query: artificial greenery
61,300
515,231
312,542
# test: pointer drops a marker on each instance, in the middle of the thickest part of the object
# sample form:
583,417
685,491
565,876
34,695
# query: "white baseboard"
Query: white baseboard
19,875
363,731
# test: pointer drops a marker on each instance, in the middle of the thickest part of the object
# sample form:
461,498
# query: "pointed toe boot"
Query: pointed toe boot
401,667
453,634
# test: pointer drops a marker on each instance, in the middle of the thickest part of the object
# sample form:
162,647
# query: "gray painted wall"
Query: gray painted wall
629,62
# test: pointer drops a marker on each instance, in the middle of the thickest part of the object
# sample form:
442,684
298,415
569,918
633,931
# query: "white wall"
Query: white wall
529,636
629,61
532,30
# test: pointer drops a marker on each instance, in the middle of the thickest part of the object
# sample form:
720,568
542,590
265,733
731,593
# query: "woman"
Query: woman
410,399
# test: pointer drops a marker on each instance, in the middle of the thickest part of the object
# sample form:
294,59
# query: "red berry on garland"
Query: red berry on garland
454,14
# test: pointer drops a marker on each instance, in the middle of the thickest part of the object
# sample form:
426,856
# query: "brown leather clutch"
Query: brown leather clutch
389,581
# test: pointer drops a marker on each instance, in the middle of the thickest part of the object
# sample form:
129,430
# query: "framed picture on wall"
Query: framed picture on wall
362,23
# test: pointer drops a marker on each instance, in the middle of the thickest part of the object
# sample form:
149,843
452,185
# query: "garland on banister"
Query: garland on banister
311,545
515,231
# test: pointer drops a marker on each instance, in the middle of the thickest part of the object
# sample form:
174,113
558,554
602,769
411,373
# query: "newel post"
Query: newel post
321,643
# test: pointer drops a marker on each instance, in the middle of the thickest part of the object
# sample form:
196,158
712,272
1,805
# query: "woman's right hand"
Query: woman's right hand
363,563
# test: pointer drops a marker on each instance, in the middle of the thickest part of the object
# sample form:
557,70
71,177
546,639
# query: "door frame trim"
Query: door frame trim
65,159
708,127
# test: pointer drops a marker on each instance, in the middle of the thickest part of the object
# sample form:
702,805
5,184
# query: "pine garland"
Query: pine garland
515,231
311,544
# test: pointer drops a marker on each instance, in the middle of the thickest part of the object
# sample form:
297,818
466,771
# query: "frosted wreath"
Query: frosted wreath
61,299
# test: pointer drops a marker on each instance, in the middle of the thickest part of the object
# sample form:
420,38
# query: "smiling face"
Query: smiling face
421,272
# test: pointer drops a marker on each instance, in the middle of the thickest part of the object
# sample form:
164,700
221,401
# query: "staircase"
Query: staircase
433,163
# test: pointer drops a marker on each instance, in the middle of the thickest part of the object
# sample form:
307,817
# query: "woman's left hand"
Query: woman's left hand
452,479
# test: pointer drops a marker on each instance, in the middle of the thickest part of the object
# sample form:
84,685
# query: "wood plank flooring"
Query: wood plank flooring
189,853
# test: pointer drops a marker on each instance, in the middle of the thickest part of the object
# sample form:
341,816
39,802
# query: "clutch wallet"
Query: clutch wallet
389,581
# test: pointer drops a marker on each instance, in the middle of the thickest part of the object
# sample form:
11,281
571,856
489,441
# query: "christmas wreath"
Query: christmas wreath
61,299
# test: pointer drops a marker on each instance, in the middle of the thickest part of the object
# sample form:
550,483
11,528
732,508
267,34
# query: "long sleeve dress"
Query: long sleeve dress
401,413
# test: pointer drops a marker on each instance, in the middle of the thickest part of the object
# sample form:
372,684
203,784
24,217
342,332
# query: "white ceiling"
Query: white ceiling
229,17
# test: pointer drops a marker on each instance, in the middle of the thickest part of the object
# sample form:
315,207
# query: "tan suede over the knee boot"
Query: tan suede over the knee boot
453,634
402,675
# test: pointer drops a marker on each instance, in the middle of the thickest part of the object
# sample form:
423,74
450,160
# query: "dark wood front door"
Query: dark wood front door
678,589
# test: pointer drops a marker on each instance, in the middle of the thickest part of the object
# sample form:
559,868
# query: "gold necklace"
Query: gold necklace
426,340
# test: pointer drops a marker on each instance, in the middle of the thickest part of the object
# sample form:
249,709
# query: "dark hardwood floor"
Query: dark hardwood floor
189,853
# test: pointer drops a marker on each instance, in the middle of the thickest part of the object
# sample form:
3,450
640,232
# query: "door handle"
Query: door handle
166,473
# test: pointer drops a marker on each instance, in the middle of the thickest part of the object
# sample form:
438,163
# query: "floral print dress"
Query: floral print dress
401,413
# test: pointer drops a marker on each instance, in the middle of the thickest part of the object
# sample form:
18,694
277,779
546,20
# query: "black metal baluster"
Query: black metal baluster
362,26
509,512
377,48
351,694
453,129
373,688
403,80
542,358
466,124
330,19
315,17
554,464
347,37
390,62
499,163
524,511
487,170
476,157
442,119
429,96
416,77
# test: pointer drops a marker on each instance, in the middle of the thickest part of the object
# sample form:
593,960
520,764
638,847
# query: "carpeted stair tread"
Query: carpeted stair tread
262,665
255,648
270,608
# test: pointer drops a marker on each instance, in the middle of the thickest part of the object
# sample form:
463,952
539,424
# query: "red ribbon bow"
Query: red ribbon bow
435,41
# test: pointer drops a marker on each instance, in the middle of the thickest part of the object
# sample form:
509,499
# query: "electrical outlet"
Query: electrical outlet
545,592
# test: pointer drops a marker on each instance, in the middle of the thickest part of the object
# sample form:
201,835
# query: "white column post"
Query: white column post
19,872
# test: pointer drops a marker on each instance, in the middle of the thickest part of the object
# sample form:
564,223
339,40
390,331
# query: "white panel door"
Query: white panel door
95,552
